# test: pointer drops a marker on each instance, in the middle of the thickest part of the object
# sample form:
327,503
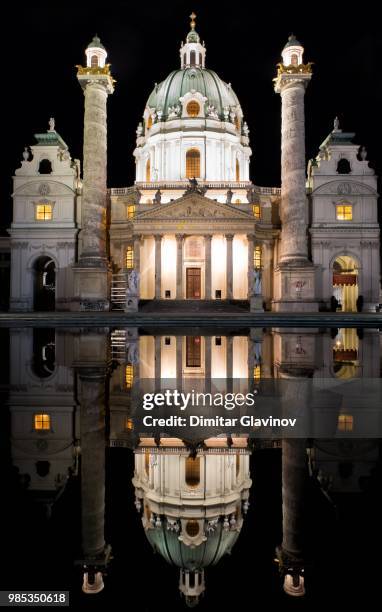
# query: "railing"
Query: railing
155,185
118,291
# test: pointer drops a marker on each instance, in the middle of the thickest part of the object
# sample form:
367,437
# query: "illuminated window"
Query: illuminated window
192,163
345,422
257,256
131,211
192,528
42,422
237,170
256,211
257,372
294,59
237,122
44,212
94,61
129,376
129,425
192,471
344,212
193,109
148,171
130,257
192,58
237,201
149,122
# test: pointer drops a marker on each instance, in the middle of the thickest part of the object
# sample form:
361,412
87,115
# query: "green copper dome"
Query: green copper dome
96,42
206,82
292,42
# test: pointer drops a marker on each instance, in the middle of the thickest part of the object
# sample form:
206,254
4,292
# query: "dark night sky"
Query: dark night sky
42,42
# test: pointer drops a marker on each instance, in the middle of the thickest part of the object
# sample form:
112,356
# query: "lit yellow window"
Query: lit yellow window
256,211
44,212
149,122
147,463
130,257
148,171
192,163
237,170
257,256
192,471
237,201
129,425
129,376
131,212
193,109
345,422
42,422
257,372
237,122
344,212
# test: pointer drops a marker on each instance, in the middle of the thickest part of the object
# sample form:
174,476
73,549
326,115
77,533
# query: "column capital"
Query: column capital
180,237
208,236
158,237
229,237
251,237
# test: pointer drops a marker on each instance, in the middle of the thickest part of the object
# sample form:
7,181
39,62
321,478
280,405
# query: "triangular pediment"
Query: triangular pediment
194,206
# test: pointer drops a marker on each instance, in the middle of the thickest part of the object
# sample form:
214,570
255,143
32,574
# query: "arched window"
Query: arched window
192,58
343,166
149,122
237,122
148,171
192,528
184,59
200,59
94,61
237,170
294,59
192,163
45,166
42,468
192,471
193,109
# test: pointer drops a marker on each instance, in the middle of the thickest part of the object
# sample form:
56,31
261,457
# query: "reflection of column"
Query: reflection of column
92,400
158,266
251,247
207,357
229,240
293,485
229,344
207,255
179,360
158,347
137,254
179,266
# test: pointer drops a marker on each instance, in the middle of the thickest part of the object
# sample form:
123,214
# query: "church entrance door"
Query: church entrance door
193,283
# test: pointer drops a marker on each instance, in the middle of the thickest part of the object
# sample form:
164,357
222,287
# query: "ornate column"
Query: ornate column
137,253
207,256
229,264
229,357
207,357
179,266
179,361
158,266
294,279
91,274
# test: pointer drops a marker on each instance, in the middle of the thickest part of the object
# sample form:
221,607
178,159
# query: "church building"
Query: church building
194,226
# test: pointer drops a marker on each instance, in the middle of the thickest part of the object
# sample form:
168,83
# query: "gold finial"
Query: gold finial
192,17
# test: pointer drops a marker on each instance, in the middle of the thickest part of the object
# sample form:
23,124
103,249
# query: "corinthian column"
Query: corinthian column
97,83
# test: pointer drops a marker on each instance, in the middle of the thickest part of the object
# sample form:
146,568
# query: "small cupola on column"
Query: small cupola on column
292,53
95,54
192,52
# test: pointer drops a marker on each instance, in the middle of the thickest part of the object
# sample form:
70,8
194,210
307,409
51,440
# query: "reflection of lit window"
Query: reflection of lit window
192,471
147,462
44,212
192,528
345,422
94,61
237,201
256,211
237,464
193,352
344,212
149,122
42,422
192,163
257,372
193,109
129,424
131,212
257,256
294,60
237,122
129,376
148,171
237,170
130,257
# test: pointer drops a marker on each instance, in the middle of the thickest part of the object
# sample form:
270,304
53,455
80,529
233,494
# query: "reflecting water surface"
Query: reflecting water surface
95,504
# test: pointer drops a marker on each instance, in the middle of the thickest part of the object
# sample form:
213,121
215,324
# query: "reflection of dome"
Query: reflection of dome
205,82
192,507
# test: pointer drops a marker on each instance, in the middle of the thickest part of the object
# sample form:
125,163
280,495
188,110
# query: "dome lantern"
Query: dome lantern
192,52
95,54
292,53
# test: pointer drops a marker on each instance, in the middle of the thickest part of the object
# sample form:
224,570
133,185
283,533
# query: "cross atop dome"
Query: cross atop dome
192,52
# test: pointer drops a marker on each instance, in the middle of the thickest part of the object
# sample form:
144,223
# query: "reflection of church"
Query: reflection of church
66,403
194,226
